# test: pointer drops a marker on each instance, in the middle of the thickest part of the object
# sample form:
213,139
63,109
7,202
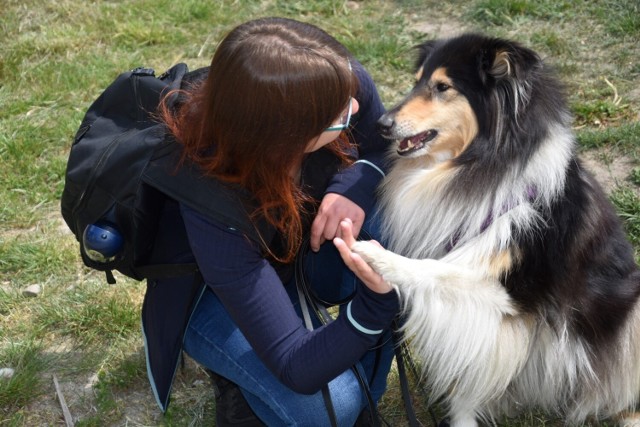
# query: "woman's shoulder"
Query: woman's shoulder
217,240
204,226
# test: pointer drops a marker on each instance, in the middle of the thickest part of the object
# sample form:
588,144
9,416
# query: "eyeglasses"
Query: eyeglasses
344,120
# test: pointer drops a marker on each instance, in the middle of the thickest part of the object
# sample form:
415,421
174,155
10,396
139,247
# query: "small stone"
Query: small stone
6,372
353,5
32,291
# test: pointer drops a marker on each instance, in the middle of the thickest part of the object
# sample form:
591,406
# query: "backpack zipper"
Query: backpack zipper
112,146
99,166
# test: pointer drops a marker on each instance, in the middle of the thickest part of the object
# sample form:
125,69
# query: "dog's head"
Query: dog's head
466,87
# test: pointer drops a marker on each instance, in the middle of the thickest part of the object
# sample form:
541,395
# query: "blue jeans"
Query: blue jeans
215,341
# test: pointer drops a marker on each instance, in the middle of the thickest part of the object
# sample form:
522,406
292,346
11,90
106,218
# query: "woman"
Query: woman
269,119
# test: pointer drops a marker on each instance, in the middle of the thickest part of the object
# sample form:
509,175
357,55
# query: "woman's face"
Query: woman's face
330,135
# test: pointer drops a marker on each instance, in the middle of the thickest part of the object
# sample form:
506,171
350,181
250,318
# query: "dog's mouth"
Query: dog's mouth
416,142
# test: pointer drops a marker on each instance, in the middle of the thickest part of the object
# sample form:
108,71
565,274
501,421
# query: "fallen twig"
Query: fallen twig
68,419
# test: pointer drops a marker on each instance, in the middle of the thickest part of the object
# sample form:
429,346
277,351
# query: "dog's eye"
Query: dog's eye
442,87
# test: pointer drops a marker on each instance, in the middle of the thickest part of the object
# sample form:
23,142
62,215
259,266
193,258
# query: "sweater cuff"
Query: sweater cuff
358,326
371,313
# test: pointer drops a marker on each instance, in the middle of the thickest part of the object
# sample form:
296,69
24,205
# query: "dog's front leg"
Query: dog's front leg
462,325
436,276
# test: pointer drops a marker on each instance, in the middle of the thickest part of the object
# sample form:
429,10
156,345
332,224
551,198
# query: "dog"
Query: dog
518,285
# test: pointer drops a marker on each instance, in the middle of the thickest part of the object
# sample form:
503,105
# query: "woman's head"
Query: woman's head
275,84
273,88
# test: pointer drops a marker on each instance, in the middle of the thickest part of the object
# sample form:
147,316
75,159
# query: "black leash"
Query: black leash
404,386
306,299
326,394
403,357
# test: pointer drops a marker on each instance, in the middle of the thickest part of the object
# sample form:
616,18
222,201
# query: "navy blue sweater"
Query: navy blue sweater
254,295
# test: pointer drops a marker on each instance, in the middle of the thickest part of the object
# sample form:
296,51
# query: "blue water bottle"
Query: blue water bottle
102,242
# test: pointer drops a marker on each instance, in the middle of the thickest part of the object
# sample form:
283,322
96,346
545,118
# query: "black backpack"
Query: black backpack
123,167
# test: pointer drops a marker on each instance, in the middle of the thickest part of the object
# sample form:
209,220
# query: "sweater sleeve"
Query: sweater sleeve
359,182
257,302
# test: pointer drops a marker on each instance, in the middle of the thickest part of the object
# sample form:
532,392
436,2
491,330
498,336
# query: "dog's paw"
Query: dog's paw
380,260
368,251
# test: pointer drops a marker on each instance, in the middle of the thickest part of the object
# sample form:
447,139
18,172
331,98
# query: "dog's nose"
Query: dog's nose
386,124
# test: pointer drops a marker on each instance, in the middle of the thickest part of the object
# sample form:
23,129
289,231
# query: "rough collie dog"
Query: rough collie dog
519,285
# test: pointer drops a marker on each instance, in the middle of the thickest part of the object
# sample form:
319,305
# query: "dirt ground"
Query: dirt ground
609,173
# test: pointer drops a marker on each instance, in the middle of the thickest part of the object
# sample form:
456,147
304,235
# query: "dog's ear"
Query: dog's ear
501,67
509,60
511,67
423,50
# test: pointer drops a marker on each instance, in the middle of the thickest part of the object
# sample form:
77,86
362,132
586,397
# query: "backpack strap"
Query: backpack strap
218,201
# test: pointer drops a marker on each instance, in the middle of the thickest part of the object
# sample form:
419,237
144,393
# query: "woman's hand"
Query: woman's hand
333,209
373,280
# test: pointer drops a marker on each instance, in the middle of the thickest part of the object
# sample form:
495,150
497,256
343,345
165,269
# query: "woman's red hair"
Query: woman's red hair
274,85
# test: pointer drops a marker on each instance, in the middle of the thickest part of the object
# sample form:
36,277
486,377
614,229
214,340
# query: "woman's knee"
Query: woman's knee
347,398
288,408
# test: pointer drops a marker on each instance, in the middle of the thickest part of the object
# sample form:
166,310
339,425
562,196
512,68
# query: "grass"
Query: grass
56,57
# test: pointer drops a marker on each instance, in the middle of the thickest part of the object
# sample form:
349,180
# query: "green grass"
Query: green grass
628,206
26,357
56,57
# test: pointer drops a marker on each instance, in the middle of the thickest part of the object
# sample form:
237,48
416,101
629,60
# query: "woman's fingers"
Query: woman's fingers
346,232
359,266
